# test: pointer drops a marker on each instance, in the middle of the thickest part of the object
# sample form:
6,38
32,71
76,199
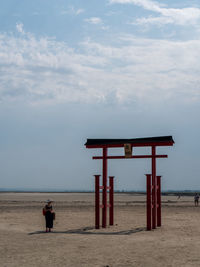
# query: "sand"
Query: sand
75,242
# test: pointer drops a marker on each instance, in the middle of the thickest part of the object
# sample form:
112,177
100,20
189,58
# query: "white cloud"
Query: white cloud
79,11
94,20
45,70
153,20
147,4
105,28
20,28
72,10
179,16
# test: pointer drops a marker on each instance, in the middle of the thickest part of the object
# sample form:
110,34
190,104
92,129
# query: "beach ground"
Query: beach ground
75,242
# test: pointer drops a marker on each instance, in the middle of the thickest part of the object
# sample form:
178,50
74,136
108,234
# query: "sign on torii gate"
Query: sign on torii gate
128,144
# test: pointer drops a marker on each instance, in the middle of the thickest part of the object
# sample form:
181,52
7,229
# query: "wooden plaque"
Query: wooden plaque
128,150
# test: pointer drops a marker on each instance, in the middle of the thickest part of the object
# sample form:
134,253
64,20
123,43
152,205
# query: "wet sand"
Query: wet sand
75,242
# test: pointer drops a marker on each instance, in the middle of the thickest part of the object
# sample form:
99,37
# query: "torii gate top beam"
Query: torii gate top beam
136,142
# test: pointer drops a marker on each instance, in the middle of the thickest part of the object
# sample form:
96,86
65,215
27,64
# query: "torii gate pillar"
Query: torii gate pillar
104,199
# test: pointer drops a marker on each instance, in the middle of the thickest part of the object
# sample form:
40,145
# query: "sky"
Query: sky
72,70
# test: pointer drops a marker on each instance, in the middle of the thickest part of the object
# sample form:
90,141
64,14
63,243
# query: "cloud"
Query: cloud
153,20
72,10
98,21
179,16
20,28
94,20
79,11
43,70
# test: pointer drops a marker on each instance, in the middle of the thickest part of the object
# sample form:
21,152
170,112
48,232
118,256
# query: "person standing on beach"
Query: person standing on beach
196,200
49,215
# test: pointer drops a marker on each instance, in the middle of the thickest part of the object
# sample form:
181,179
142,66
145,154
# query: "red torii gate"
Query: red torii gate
153,181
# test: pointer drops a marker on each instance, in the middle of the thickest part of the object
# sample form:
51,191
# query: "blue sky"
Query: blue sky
72,70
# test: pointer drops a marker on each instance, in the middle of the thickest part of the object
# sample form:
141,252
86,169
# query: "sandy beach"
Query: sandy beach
75,242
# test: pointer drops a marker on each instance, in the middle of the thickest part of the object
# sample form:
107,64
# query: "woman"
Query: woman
196,200
49,215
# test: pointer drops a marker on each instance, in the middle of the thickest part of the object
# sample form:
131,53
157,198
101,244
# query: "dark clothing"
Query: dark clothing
49,217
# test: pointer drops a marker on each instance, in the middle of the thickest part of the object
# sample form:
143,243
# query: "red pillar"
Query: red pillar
158,200
149,207
104,199
111,199
97,204
154,185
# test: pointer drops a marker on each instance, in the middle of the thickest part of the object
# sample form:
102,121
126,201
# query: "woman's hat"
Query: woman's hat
49,200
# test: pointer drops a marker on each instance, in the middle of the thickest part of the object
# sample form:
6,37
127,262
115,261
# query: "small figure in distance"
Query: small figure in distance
49,215
196,199
179,196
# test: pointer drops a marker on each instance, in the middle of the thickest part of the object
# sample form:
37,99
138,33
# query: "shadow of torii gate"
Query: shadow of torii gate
153,181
